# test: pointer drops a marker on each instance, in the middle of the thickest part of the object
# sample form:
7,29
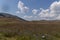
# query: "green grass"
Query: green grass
27,37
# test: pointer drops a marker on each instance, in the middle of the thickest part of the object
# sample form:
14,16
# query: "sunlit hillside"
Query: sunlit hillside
12,28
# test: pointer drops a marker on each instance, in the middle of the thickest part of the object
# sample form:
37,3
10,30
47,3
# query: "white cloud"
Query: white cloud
44,13
55,6
28,17
22,7
52,13
18,12
34,11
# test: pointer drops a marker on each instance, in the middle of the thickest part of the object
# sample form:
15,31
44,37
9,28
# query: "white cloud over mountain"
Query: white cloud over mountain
34,11
52,13
22,7
27,17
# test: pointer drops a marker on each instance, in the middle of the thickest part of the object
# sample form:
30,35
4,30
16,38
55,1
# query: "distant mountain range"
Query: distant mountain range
6,15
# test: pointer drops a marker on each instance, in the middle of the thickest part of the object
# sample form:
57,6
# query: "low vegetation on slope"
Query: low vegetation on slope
16,29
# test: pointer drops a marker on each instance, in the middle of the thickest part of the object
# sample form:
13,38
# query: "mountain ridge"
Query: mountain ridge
6,15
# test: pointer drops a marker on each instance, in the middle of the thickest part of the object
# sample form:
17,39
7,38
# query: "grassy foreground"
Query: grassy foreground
16,30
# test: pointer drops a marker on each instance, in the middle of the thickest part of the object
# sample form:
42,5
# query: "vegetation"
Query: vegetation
14,29
29,31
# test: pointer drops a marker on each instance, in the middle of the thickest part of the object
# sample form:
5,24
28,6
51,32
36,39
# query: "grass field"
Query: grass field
12,29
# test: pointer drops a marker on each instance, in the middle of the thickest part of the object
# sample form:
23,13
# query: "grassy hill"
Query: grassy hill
12,28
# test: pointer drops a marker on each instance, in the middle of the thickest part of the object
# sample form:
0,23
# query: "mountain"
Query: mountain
12,25
6,15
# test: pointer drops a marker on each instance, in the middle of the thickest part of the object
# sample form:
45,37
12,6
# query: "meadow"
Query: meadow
34,30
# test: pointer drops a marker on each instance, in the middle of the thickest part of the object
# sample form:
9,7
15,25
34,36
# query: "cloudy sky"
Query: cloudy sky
32,9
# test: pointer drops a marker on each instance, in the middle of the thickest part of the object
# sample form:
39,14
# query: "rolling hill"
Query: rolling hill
9,16
35,29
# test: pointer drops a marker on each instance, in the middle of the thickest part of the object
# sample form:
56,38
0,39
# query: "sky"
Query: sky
32,9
